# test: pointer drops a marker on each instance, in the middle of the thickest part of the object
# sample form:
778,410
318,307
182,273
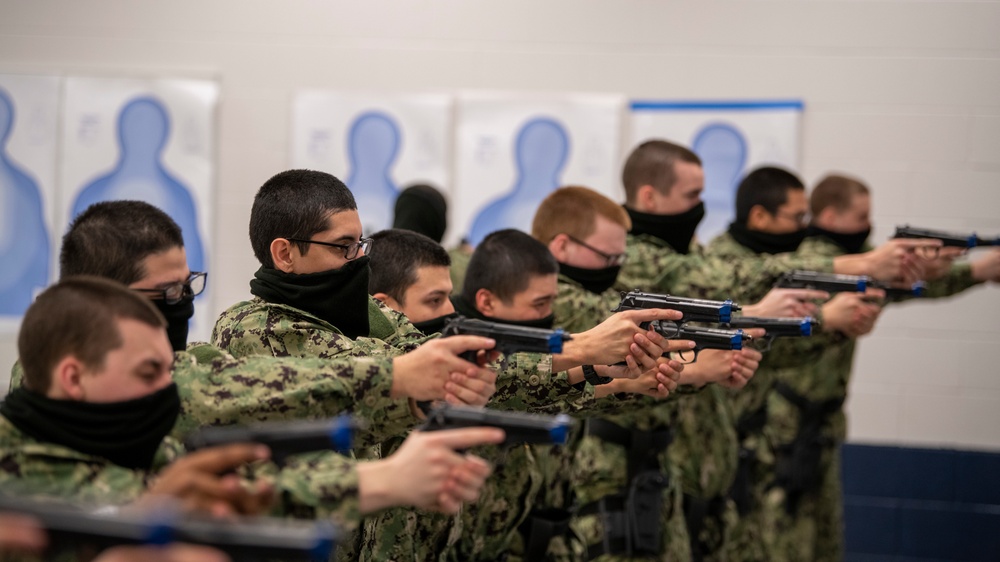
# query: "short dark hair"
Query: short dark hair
768,187
111,239
652,163
295,204
400,254
77,316
835,191
504,263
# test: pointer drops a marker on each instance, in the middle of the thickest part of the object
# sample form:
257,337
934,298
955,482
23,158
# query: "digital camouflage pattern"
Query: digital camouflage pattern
258,327
815,532
29,467
217,389
599,468
705,451
753,536
653,265
309,486
527,383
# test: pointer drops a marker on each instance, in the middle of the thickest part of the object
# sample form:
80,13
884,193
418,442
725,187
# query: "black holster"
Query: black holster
632,518
696,512
539,528
797,468
741,491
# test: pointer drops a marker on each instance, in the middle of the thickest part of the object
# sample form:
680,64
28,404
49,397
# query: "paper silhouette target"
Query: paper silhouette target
25,249
148,140
515,149
377,143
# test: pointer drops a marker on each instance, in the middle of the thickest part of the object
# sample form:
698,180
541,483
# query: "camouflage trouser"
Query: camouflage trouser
752,536
809,527
490,525
403,533
816,529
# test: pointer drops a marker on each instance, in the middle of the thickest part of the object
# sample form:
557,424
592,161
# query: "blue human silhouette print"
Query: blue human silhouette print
143,130
540,152
24,238
723,152
373,143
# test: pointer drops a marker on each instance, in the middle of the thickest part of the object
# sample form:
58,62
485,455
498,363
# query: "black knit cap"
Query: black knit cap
421,208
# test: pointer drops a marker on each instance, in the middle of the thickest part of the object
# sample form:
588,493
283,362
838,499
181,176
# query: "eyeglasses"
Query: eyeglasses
798,218
177,292
610,260
350,250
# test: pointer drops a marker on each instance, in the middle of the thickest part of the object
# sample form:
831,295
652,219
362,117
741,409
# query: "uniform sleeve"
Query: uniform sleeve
217,389
399,332
320,486
958,279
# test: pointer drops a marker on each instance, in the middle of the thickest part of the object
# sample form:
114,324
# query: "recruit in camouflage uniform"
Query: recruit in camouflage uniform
599,468
815,531
752,538
709,449
217,389
704,448
259,327
29,467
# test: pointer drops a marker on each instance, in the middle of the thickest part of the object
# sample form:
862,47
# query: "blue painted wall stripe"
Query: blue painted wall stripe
736,105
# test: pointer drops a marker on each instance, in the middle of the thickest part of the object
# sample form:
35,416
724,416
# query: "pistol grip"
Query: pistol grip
470,356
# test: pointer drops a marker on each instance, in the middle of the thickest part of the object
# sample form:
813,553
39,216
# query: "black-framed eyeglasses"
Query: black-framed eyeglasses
797,218
175,293
350,250
610,260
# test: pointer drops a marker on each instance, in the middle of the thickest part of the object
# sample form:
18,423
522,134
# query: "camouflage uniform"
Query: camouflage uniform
29,467
217,389
34,468
812,527
653,265
706,446
598,468
752,537
258,327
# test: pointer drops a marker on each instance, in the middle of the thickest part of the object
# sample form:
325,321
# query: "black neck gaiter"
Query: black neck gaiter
127,433
178,315
467,309
434,325
675,230
764,242
852,242
594,280
338,296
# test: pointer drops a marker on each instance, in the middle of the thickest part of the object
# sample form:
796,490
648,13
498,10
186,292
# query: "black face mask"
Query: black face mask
467,309
675,230
434,325
766,243
126,433
178,315
594,280
339,296
852,242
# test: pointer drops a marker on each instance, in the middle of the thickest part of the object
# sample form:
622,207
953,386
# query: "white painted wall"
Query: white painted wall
905,94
